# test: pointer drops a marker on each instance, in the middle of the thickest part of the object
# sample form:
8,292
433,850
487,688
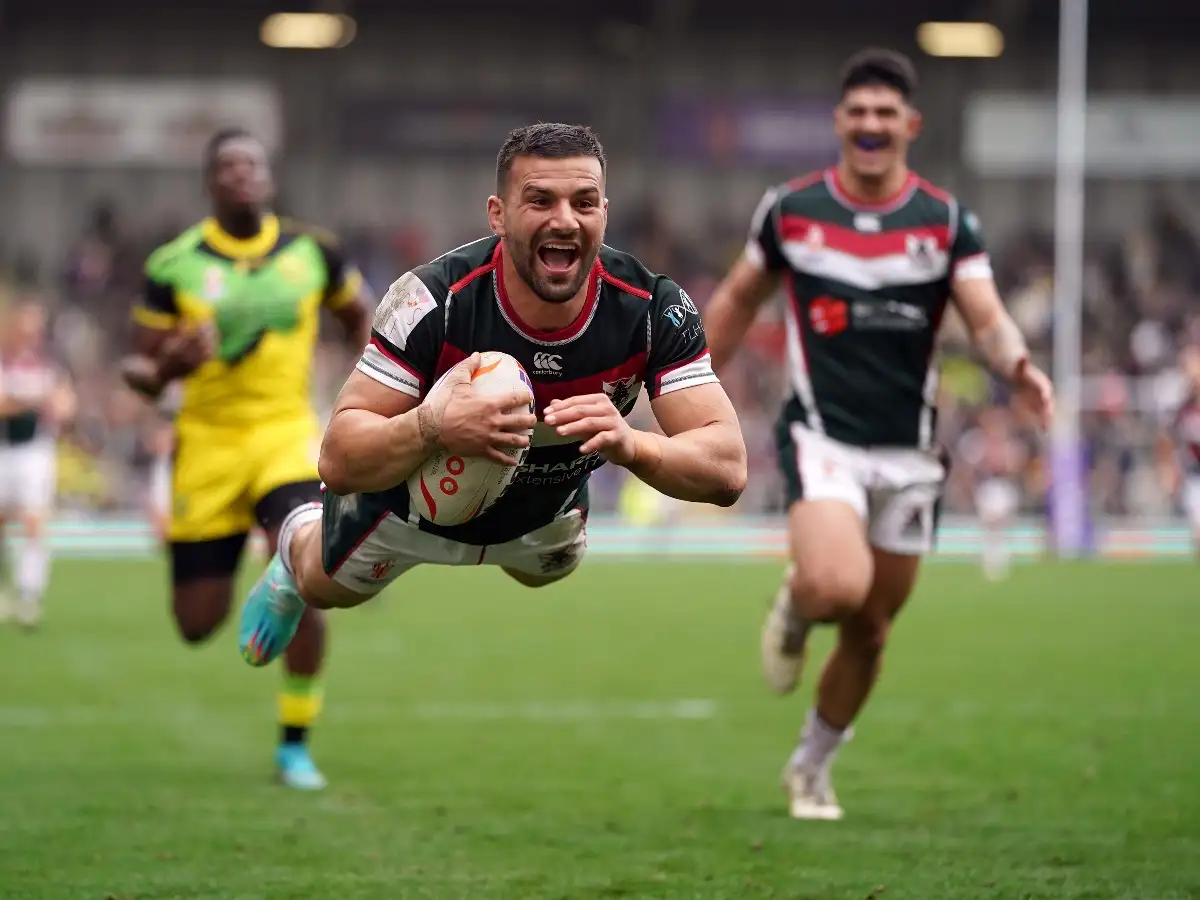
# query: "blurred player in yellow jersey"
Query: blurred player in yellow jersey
231,310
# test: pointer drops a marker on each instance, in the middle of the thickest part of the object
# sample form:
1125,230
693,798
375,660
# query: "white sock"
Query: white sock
301,515
819,742
33,571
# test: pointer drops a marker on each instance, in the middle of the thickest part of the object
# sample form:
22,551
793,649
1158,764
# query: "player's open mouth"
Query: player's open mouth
871,143
558,257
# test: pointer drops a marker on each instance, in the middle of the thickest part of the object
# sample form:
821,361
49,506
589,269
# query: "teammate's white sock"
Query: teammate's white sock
301,515
995,552
33,571
819,742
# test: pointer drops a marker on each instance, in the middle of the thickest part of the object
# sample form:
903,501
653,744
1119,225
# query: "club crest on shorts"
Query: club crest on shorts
380,570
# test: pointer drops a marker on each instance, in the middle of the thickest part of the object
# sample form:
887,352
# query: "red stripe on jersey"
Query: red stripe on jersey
865,245
934,191
545,391
547,337
800,182
679,365
392,357
450,357
624,285
475,273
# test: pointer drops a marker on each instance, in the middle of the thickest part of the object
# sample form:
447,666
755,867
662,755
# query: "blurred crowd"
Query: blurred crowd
1138,306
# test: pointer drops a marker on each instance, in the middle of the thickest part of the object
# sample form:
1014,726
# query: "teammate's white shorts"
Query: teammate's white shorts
365,553
1191,501
997,500
897,491
28,473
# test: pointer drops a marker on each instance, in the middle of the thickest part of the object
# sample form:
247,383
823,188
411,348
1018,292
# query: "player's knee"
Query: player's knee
864,635
197,626
33,525
827,590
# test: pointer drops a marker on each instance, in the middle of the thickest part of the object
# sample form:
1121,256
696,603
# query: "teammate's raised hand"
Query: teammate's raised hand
593,419
454,416
1034,392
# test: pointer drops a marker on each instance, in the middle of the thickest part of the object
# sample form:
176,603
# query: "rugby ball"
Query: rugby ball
452,490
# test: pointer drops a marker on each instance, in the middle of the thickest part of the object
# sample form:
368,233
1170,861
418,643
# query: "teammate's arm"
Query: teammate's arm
993,332
749,284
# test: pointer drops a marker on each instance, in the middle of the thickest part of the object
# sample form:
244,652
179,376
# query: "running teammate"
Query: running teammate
591,326
869,255
996,457
35,399
231,307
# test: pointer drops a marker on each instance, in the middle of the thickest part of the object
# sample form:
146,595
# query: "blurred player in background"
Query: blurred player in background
1178,446
231,307
35,399
996,458
870,254
591,326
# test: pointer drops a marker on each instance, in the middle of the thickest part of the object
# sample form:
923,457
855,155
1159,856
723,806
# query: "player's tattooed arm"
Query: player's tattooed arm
1001,344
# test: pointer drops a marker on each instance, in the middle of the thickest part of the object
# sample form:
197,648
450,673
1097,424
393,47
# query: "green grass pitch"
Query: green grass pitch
610,738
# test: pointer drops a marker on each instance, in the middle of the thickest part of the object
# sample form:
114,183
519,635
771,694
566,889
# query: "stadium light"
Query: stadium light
307,31
961,39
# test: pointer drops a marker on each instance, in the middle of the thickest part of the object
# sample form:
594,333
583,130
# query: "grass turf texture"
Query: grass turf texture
1036,739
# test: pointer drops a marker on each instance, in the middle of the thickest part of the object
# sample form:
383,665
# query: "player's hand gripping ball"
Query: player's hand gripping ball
482,412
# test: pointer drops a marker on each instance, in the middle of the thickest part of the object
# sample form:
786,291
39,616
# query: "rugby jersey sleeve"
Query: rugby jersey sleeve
343,280
763,247
157,307
407,334
678,354
968,254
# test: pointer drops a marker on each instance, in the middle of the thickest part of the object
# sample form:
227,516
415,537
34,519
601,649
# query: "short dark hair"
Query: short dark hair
547,140
219,140
878,66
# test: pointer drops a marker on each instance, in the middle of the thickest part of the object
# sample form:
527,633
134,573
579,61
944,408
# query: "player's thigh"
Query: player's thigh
209,488
362,548
545,555
203,573
827,505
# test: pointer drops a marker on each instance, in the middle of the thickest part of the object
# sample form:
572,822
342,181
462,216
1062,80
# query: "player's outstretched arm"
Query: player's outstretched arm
700,457
379,436
733,307
1001,344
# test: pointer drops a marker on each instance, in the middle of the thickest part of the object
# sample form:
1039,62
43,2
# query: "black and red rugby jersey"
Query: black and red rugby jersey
636,329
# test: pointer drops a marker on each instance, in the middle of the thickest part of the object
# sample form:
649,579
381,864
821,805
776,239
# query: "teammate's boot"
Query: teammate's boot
296,768
784,638
810,793
271,615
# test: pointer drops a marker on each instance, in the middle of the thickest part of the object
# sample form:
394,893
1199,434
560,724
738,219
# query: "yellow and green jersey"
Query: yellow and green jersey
264,295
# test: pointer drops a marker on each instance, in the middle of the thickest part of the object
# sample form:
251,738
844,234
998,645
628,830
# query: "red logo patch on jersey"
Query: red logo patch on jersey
828,316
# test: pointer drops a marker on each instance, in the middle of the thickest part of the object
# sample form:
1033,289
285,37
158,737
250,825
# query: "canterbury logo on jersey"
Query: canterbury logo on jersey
547,362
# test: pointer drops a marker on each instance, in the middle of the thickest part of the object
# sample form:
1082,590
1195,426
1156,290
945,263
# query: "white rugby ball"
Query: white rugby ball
452,490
